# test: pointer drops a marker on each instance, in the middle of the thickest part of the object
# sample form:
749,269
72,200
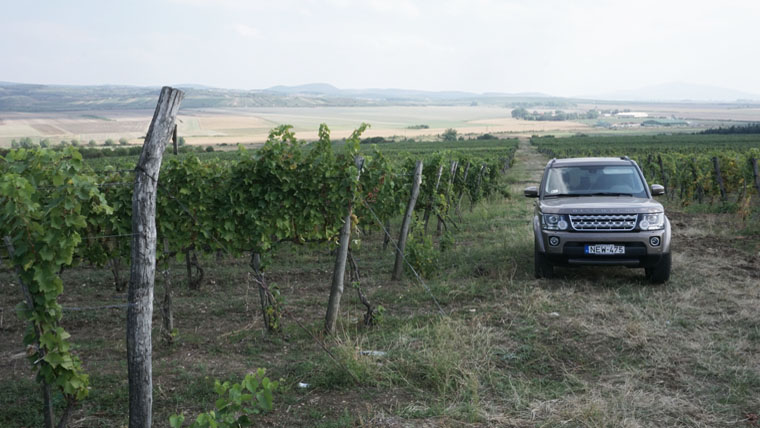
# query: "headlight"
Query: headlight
654,221
553,222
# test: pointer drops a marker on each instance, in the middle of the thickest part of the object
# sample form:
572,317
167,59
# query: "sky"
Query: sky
562,48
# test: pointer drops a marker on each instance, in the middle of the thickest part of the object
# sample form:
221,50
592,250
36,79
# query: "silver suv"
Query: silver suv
599,211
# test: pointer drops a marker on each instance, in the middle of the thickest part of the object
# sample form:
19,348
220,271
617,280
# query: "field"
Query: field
231,126
251,125
593,347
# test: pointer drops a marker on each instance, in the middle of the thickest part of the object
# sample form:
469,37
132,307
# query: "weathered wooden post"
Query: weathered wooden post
477,186
755,173
339,271
398,267
464,186
719,178
143,268
431,199
449,189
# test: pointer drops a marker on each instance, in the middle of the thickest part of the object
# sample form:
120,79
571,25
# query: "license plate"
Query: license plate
605,249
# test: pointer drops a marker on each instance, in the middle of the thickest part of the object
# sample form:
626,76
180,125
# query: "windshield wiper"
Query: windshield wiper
564,195
608,194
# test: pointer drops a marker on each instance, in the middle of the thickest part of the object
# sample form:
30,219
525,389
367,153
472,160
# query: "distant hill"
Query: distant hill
681,92
311,88
22,97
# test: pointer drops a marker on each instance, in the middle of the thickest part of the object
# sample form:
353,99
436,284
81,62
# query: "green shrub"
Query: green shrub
236,403
421,253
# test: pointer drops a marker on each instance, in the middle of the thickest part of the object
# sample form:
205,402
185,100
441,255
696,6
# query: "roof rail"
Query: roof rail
551,162
625,158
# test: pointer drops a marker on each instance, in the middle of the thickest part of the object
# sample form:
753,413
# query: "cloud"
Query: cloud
404,8
247,31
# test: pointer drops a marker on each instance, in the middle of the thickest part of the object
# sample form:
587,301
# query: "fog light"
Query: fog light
553,241
654,241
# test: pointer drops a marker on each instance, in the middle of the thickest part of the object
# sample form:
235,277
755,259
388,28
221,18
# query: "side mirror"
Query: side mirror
531,192
657,190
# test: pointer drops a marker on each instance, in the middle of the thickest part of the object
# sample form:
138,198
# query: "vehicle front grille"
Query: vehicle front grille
611,222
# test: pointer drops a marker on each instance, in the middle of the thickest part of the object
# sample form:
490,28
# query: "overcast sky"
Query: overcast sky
561,48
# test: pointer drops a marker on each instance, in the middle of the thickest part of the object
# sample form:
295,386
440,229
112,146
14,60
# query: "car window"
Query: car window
586,180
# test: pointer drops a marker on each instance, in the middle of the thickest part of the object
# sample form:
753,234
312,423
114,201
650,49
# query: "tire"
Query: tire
543,267
659,273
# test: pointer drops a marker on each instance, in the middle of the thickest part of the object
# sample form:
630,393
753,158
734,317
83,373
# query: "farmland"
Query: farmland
232,126
594,347
215,126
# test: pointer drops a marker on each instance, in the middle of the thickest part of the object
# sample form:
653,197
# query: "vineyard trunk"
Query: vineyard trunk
143,266
387,237
452,173
167,303
399,264
47,401
662,174
339,271
269,309
115,263
191,261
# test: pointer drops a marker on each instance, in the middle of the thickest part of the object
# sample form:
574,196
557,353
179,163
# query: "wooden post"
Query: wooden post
464,186
431,199
167,303
719,178
339,271
47,401
452,174
477,186
755,173
398,267
143,268
700,191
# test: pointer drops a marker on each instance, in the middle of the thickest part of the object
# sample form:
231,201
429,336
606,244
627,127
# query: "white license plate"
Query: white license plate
605,249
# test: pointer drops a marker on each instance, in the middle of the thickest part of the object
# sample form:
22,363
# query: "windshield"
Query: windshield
599,180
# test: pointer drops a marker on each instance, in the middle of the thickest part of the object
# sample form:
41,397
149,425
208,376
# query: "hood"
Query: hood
599,205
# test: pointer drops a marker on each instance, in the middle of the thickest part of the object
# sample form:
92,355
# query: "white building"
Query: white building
633,114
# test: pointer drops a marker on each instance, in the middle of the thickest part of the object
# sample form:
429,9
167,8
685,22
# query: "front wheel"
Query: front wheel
659,273
543,267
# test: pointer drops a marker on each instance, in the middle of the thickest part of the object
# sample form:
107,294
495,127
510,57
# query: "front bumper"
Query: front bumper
639,251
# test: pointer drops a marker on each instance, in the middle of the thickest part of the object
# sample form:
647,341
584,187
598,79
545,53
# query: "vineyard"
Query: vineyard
693,168
441,322
60,213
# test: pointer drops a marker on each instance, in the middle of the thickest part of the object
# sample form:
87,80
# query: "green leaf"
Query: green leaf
176,421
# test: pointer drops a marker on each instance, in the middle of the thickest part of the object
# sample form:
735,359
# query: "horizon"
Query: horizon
724,95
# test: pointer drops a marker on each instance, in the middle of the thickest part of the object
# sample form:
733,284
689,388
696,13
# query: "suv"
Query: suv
599,211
